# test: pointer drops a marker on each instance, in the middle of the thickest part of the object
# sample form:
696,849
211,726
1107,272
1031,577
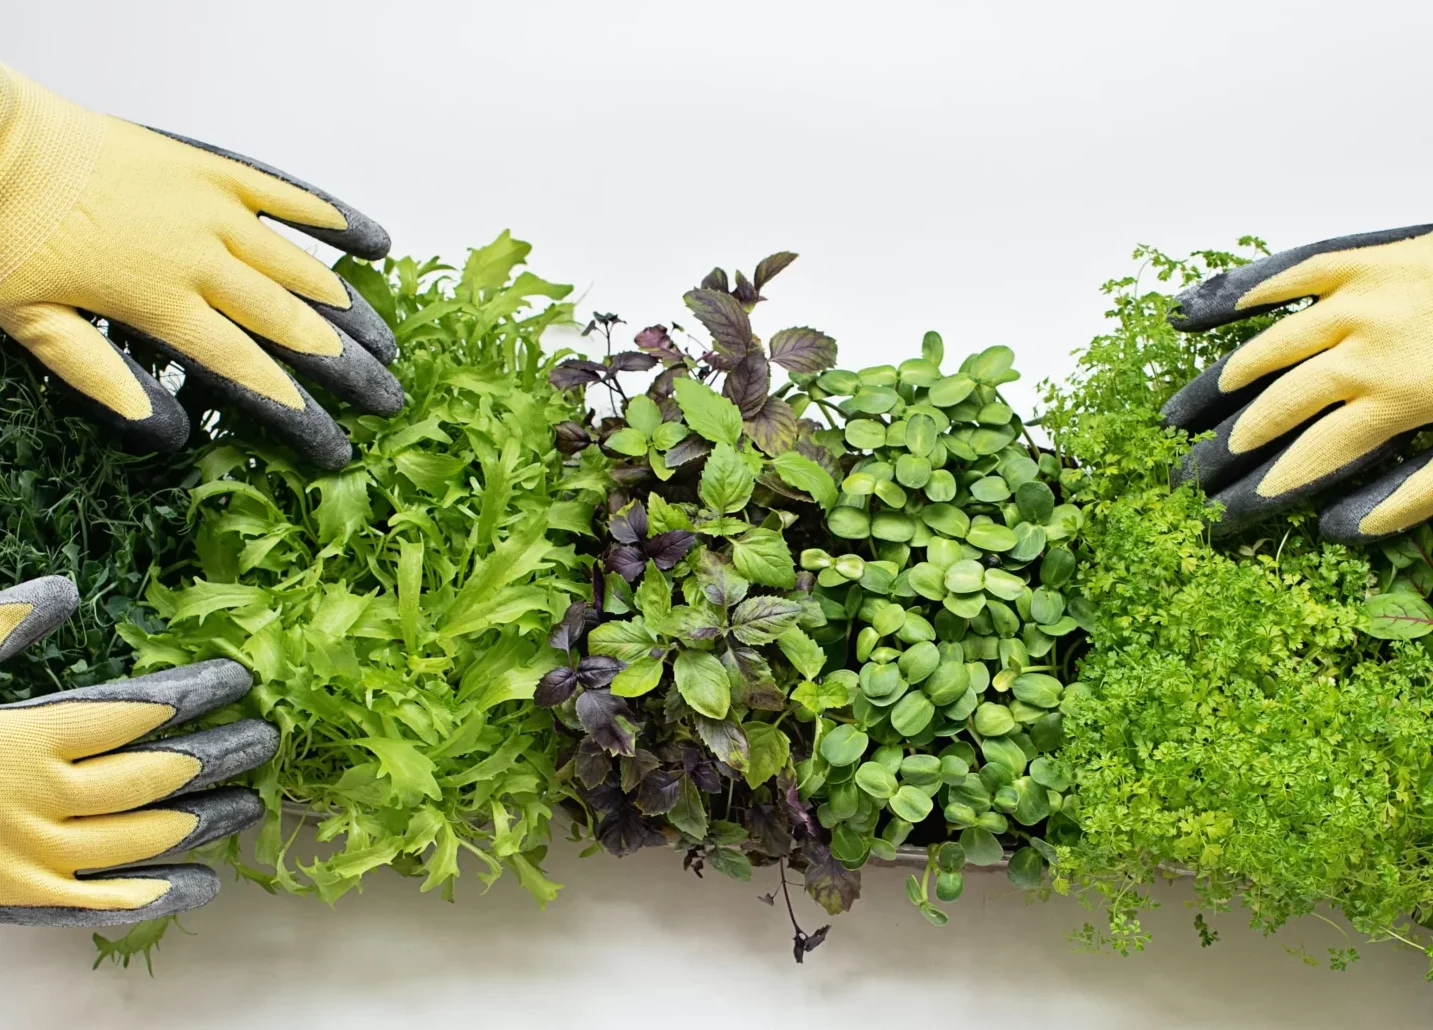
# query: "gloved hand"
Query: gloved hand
161,236
1324,393
78,796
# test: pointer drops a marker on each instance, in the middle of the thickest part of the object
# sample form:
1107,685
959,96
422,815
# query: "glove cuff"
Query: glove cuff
49,148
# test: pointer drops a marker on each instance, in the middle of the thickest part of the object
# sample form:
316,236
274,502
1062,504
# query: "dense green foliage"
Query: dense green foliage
73,505
396,612
1238,724
945,708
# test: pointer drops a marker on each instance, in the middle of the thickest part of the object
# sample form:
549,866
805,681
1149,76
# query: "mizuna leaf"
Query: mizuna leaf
707,412
343,507
725,319
513,559
408,769
774,427
747,384
803,350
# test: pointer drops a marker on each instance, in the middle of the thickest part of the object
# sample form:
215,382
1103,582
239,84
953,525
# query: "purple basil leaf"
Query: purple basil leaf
556,687
690,449
629,527
627,561
774,429
805,582
719,361
701,769
748,384
820,455
745,292
666,549
802,349
662,387
576,372
769,830
834,887
609,720
630,475
715,280
725,739
608,796
769,266
569,630
591,763
655,340
797,810
725,319
805,943
599,587
632,361
571,437
624,831
657,793
598,670
636,767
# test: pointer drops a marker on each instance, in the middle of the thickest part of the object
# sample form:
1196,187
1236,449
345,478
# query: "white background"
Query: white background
976,168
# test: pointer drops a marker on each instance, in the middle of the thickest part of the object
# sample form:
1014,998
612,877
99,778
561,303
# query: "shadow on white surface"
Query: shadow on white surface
639,943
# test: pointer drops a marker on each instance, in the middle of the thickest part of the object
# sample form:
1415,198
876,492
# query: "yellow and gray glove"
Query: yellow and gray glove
1322,394
79,798
161,236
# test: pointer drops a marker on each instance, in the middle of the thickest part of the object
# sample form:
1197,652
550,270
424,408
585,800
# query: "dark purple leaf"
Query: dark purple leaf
576,372
616,501
796,809
624,831
658,792
630,526
805,582
630,475
715,280
655,340
774,429
748,383
577,620
591,763
690,449
701,769
671,410
571,437
804,943
725,319
661,387
666,549
760,620
632,361
627,561
726,739
802,349
720,362
637,767
834,887
745,292
598,670
769,266
607,796
554,688
599,586
609,720
769,830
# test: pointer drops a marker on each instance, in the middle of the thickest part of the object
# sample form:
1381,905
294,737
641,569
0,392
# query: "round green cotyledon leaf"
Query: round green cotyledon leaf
927,580
990,490
1047,606
951,390
893,526
920,770
849,523
865,434
941,487
920,434
990,536
873,400
912,471
1057,568
993,719
980,846
919,661
1005,585
876,780
1029,542
946,519
1005,752
1051,773
1026,869
966,576
912,714
911,804
839,382
1038,689
844,745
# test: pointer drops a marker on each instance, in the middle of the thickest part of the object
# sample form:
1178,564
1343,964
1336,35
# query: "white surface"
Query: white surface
974,168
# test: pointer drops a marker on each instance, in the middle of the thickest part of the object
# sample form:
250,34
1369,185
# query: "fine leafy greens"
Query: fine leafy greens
396,612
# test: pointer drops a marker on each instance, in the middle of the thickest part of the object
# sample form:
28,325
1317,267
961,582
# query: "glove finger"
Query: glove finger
250,379
296,332
331,296
118,393
113,898
34,609
1251,498
1398,500
1278,279
1292,399
140,774
177,695
160,831
306,208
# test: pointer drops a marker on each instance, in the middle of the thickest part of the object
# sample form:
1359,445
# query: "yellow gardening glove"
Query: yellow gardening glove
1324,393
161,236
77,796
